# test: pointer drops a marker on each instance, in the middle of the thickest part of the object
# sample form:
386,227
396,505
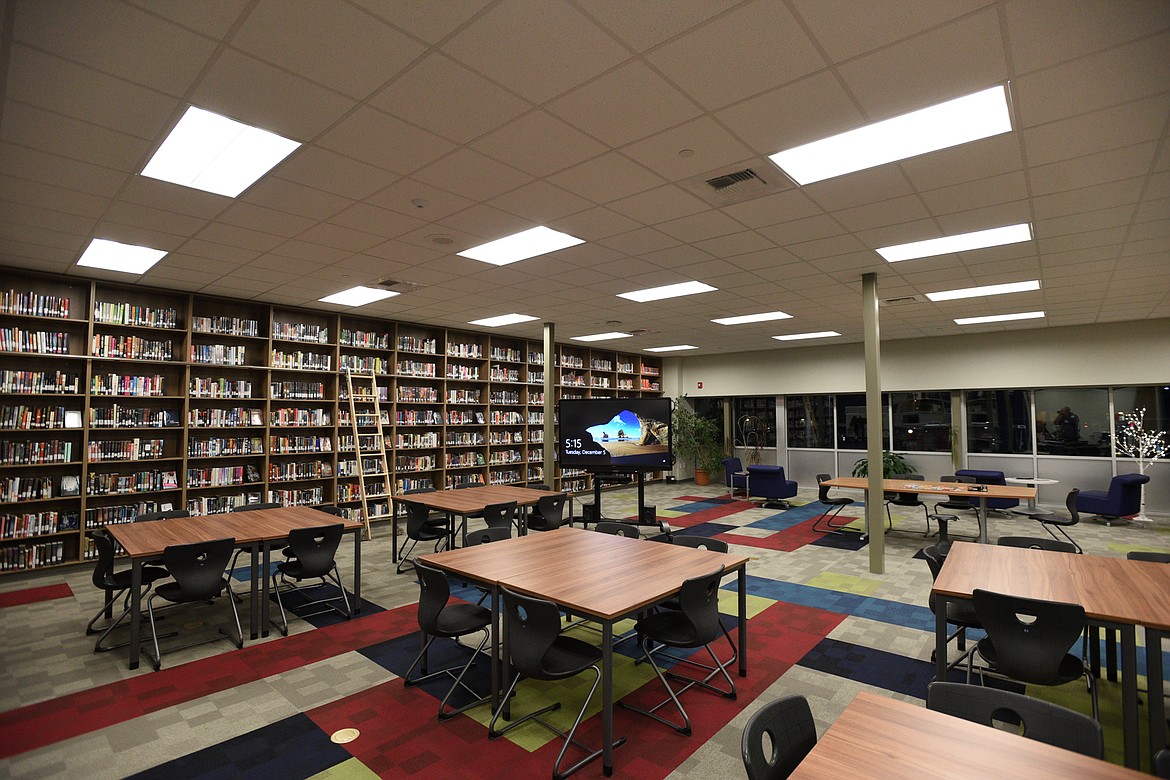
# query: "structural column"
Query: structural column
550,398
874,524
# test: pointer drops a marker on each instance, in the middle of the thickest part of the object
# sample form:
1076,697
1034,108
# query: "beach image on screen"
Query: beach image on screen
628,435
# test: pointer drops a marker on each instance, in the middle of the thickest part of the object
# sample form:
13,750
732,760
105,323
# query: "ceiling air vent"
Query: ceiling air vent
735,183
394,285
902,299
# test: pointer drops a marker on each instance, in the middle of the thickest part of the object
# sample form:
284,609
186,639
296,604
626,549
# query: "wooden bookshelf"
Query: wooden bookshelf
120,399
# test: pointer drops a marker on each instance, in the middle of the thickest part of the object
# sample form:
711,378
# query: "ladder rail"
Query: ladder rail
353,378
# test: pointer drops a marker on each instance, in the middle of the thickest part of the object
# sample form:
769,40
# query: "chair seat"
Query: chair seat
670,628
569,657
1071,668
173,591
460,619
1050,518
837,501
122,579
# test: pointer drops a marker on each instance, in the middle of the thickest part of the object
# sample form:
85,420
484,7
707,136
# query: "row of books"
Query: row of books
104,484
415,368
13,489
300,391
219,387
31,556
109,313
38,382
44,452
118,416
463,396
219,354
279,445
23,417
297,470
220,447
108,345
418,417
133,385
34,304
225,326
300,331
364,339
97,516
426,346
124,449
38,342
359,364
222,476
464,460
224,418
214,505
302,360
506,437
291,417
22,525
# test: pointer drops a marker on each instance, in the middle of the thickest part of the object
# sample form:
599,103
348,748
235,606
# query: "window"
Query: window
851,423
1073,421
999,421
755,421
922,421
810,420
1155,400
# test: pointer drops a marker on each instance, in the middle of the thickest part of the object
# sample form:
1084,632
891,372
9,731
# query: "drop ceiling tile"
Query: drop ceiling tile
541,202
283,263
595,223
805,110
1092,169
322,169
482,224
661,204
701,226
538,143
48,196
400,252
606,178
1038,43
146,191
872,24
123,213
711,147
211,19
768,258
1099,131
472,175
978,160
216,252
266,220
883,213
646,24
231,235
720,63
857,189
977,194
801,230
280,194
33,127
734,244
305,37
1152,229
378,221
336,237
365,135
773,209
677,257
429,21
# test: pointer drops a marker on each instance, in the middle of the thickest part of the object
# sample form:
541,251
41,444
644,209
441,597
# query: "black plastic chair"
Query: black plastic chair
617,529
251,548
438,618
536,649
1162,763
1033,649
312,554
1054,523
487,536
1037,719
550,513
165,514
906,500
1037,543
824,523
420,527
695,624
500,515
199,571
952,505
777,737
960,614
115,585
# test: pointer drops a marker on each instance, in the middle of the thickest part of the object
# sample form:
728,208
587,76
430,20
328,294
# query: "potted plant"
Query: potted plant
696,440
893,464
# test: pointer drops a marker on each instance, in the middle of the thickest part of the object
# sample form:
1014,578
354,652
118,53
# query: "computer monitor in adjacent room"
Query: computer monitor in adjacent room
616,434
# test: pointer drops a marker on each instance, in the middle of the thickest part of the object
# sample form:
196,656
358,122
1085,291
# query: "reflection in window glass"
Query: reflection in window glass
1073,421
922,421
755,421
998,421
851,424
810,420
1155,400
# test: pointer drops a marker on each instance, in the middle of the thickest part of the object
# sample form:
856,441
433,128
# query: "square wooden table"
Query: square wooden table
256,530
603,577
949,489
876,738
1115,593
470,501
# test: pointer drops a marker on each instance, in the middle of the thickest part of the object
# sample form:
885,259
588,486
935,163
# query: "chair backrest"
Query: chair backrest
198,568
531,626
1036,543
331,509
315,548
822,488
1031,636
1070,503
730,466
1125,491
777,738
500,515
699,542
698,598
906,498
538,486
989,477
166,514
617,528
1153,557
434,591
413,491
417,516
104,567
486,535
254,507
1162,763
1040,720
552,509
956,502
934,560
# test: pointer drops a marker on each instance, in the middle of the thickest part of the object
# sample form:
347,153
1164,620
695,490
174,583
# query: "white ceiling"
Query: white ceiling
505,114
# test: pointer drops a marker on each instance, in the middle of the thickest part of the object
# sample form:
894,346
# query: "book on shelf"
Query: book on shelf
70,485
73,418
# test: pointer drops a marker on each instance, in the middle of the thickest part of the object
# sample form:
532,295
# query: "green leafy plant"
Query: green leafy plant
696,439
893,464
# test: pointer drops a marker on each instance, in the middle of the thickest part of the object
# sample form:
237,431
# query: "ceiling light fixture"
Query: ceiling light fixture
746,318
521,246
820,334
667,291
602,336
990,289
959,121
503,319
213,153
674,348
964,242
1024,315
357,296
115,256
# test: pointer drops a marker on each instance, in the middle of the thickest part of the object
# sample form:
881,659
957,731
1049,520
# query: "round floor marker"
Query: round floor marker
341,736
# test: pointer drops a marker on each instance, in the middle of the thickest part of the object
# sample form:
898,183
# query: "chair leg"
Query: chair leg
106,611
420,662
824,523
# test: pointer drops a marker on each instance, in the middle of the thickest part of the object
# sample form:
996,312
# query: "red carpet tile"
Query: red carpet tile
400,736
33,595
44,723
788,540
717,511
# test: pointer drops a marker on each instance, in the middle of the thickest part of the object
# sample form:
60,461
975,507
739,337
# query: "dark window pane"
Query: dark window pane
922,421
755,421
1154,399
1073,421
810,420
851,423
998,421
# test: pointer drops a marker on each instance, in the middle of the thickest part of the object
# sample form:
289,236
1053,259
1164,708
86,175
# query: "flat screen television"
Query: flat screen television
615,433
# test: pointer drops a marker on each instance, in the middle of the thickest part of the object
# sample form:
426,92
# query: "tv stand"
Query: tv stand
646,515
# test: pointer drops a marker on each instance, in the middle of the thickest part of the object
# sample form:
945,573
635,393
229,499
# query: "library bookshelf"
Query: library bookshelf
122,399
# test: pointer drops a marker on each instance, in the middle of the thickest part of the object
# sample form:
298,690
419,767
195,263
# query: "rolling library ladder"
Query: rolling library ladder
369,448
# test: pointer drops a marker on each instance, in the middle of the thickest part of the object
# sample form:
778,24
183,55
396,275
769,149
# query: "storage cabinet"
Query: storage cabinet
119,399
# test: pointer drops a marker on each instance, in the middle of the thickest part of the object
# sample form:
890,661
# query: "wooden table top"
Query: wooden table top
601,575
935,488
1116,589
150,539
471,500
882,738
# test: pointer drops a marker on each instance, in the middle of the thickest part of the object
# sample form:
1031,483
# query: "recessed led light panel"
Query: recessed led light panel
1024,315
743,319
358,296
820,334
964,242
980,292
521,246
667,291
116,256
503,319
